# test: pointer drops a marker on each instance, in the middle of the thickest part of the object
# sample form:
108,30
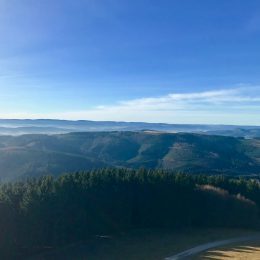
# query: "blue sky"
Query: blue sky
158,61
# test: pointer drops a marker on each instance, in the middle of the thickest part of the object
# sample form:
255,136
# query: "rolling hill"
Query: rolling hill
34,155
48,126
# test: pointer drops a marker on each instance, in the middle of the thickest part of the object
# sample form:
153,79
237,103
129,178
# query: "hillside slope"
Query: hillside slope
35,155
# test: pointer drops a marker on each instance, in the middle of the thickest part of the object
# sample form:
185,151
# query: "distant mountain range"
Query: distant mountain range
35,155
48,126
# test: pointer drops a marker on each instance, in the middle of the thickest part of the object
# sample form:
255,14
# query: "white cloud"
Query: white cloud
227,106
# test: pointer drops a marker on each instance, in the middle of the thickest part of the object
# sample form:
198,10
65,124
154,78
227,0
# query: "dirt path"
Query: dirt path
198,249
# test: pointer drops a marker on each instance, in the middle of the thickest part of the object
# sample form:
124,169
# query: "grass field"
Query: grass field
244,251
141,244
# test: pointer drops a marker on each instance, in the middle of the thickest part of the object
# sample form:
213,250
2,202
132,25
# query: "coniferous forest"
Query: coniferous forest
57,211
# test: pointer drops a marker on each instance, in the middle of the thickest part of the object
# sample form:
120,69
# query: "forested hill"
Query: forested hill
36,155
49,213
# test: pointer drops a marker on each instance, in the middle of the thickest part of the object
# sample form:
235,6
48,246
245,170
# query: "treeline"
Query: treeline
55,211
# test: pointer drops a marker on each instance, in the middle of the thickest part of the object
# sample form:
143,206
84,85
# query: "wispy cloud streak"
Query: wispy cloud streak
226,106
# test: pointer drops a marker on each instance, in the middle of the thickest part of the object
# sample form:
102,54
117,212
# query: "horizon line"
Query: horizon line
114,121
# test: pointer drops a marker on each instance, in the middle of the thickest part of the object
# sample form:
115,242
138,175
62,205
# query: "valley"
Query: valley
36,155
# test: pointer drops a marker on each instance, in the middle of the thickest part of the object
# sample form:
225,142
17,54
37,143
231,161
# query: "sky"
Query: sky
173,61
